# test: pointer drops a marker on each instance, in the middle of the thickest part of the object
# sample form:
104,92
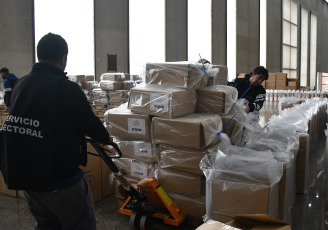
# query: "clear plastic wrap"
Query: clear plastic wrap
180,182
198,130
188,75
289,102
141,150
99,93
161,101
127,125
237,184
216,99
182,159
113,77
218,77
110,85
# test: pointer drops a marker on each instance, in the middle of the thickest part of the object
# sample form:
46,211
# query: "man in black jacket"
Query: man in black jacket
251,89
42,142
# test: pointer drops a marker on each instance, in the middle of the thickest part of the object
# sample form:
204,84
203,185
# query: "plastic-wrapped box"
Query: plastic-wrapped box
89,85
110,85
241,183
99,93
127,125
180,182
76,78
162,101
216,99
176,74
183,159
220,77
198,130
112,77
118,94
142,150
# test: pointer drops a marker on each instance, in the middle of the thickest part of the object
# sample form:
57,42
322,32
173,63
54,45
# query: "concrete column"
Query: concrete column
219,32
322,35
17,36
248,35
176,18
274,36
111,36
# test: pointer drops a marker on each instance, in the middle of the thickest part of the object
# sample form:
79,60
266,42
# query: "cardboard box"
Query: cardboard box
180,182
93,171
251,222
107,183
241,75
192,206
142,150
127,85
194,131
112,77
127,125
89,85
302,160
183,159
118,94
228,127
176,74
221,78
162,101
291,87
216,99
237,197
110,85
115,102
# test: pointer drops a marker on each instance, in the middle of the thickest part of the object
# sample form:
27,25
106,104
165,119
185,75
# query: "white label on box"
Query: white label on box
142,149
138,169
159,102
136,126
103,93
103,100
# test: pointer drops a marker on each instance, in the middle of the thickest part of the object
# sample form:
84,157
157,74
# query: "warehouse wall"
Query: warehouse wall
322,42
248,35
17,36
219,32
176,45
274,36
111,35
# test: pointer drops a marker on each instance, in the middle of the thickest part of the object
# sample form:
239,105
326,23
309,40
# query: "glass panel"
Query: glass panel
231,38
292,74
313,50
293,58
286,33
293,35
263,32
286,56
78,30
304,47
147,33
286,10
199,29
286,71
293,12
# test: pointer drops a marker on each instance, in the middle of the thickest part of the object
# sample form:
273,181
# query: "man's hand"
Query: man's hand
7,109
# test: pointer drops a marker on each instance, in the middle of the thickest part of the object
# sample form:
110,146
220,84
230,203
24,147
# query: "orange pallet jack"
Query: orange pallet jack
144,202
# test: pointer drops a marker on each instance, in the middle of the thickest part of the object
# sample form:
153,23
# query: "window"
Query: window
313,50
75,26
232,38
290,38
199,30
147,33
263,32
304,47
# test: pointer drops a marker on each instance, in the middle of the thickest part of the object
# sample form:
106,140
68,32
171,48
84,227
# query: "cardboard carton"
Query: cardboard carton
112,76
216,99
221,78
193,131
180,182
127,85
110,85
118,94
162,101
89,85
107,184
183,159
127,125
302,160
142,150
176,74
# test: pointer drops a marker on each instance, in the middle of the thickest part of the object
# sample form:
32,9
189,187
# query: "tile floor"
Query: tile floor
308,213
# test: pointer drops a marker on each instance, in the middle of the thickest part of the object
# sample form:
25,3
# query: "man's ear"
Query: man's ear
63,62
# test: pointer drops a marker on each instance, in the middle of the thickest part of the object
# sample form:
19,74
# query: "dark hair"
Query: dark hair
4,70
51,47
204,61
261,70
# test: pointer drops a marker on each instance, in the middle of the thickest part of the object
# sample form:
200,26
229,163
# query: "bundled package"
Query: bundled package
180,182
110,85
112,77
161,101
182,159
90,85
76,78
221,76
198,130
142,150
241,182
216,99
176,74
127,125
118,94
99,93
127,85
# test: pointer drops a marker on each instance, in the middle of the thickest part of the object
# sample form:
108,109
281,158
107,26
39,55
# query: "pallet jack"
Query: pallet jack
145,201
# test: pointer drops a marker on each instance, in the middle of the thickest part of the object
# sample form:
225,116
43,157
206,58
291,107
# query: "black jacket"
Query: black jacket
42,141
255,95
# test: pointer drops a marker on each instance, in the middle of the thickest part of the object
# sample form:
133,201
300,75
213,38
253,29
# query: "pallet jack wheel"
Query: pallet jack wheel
134,221
145,222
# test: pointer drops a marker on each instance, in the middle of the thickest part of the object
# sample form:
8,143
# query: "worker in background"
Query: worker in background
9,80
251,89
42,142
